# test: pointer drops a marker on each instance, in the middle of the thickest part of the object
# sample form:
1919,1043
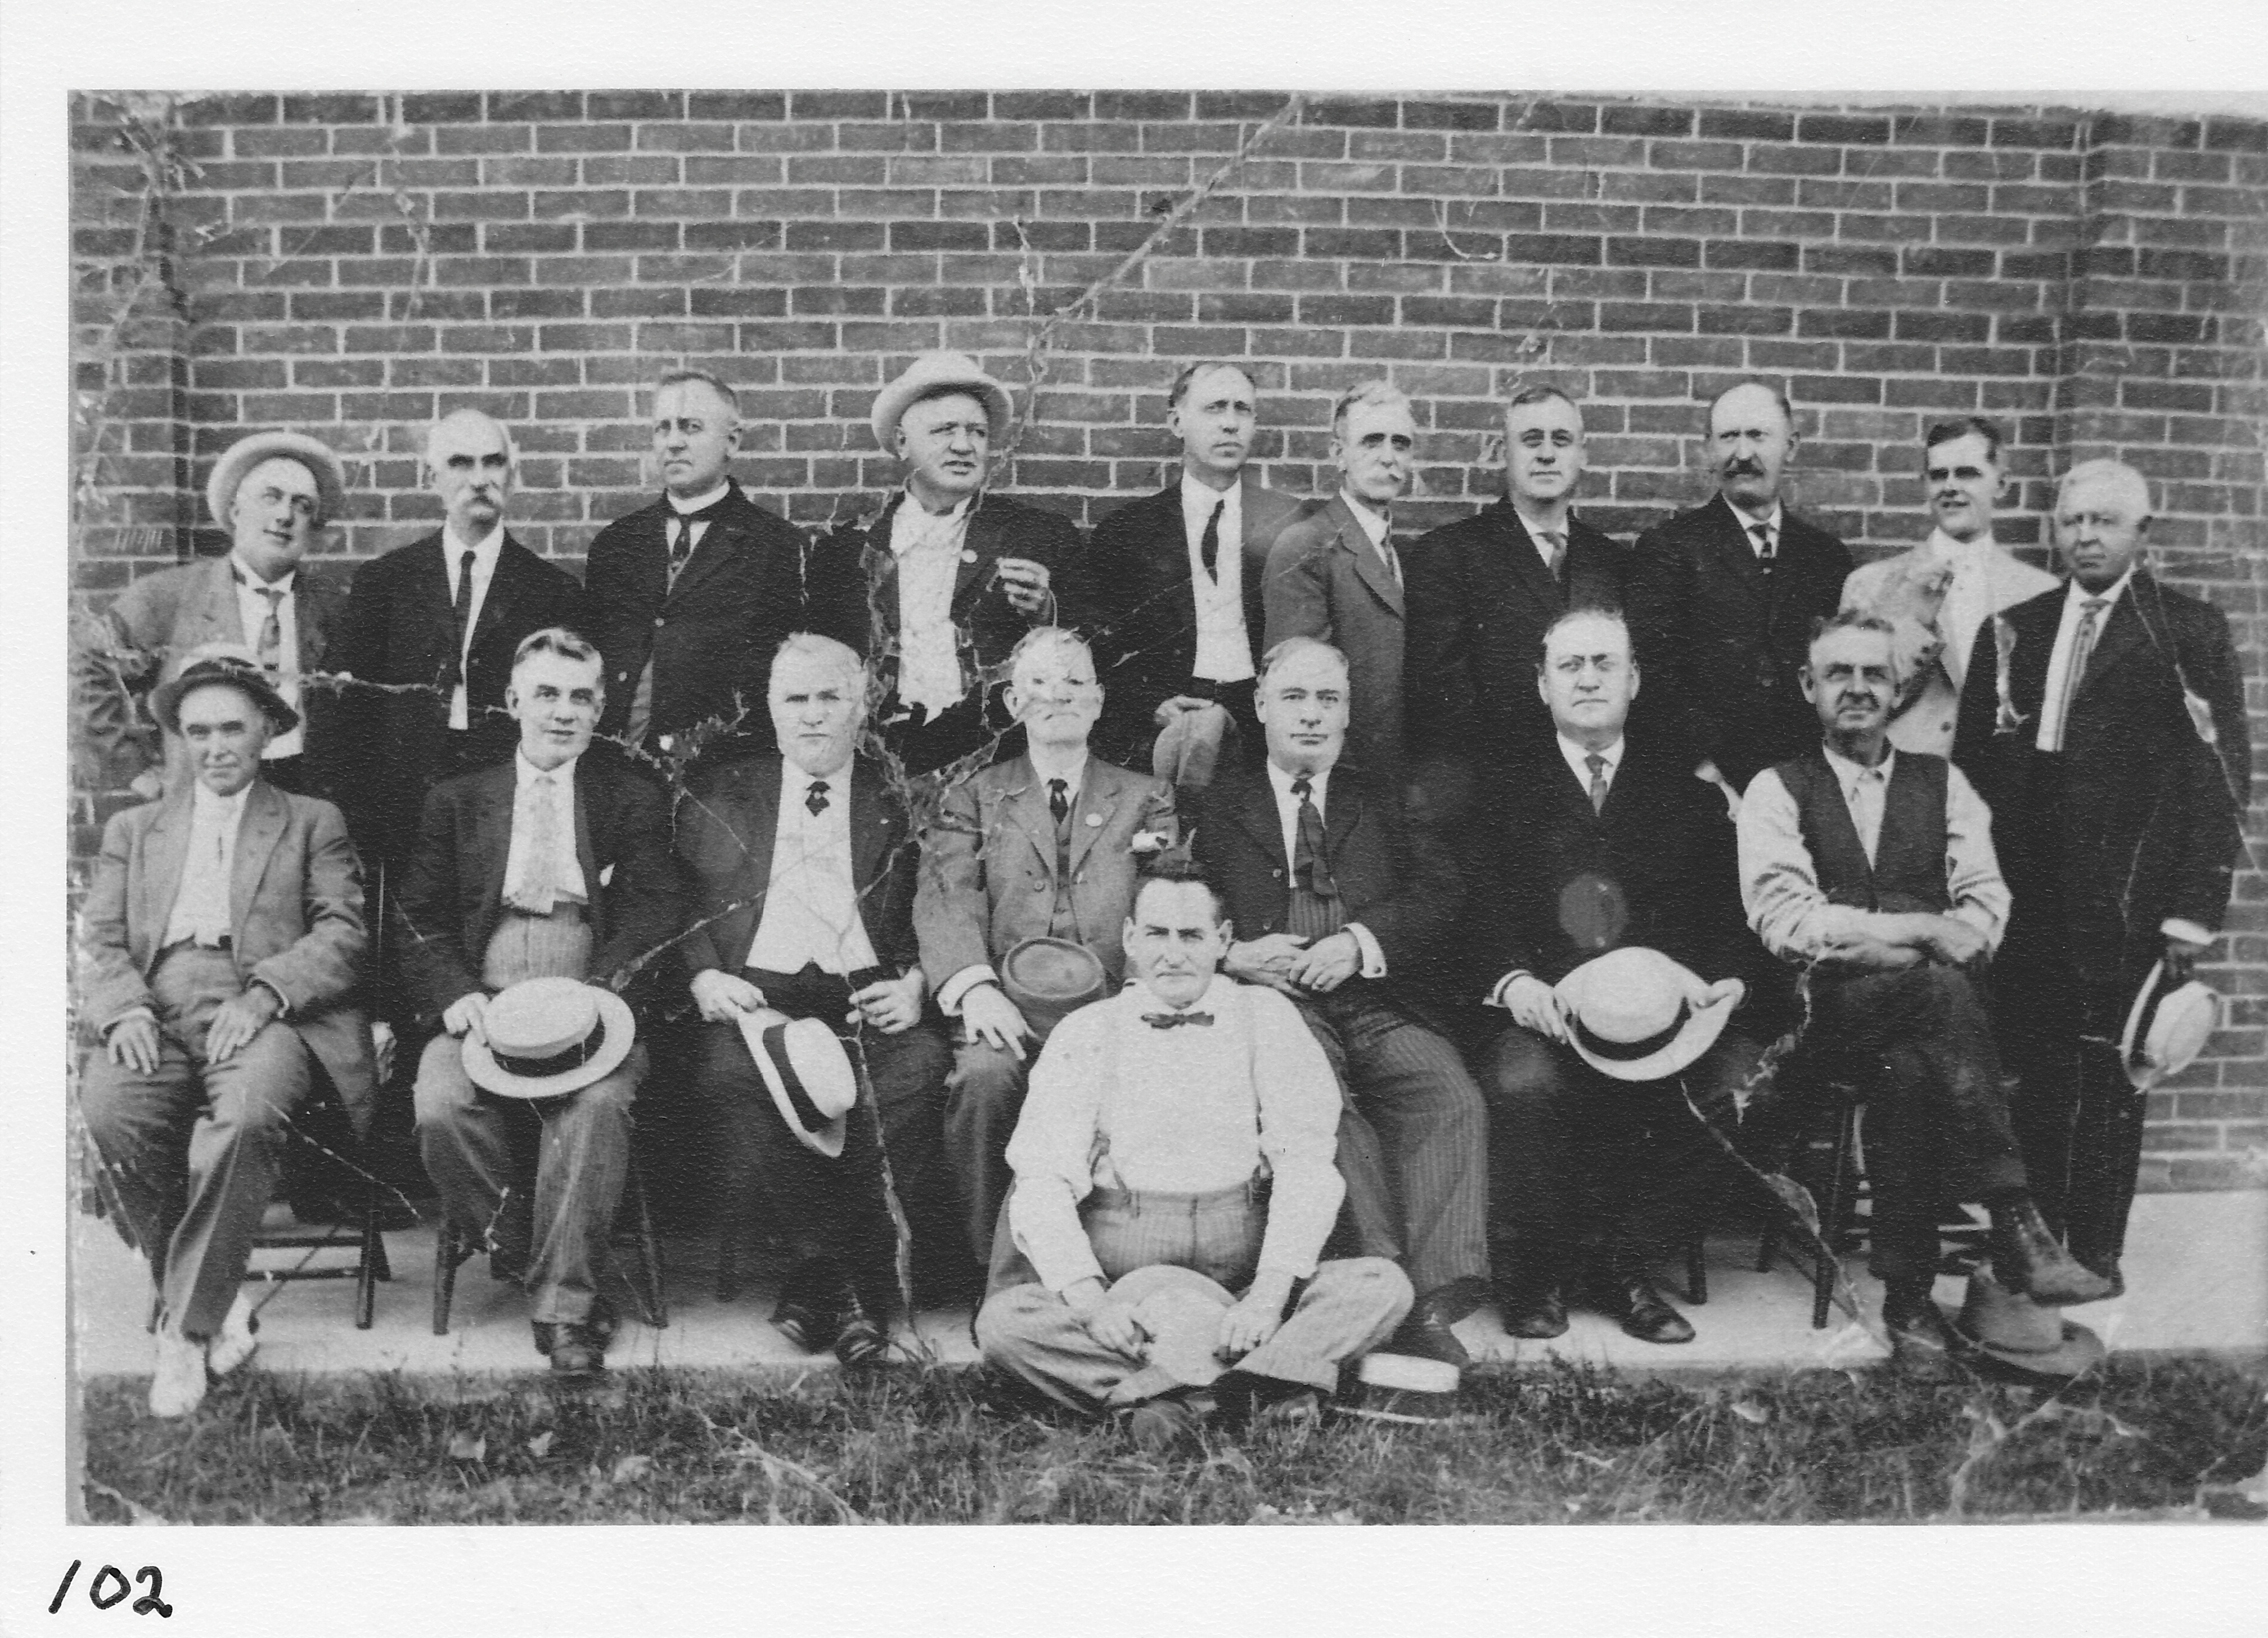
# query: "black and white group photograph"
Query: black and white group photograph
848,804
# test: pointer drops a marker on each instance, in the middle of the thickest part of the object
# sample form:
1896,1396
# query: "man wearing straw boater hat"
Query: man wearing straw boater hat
803,868
1162,1251
273,492
1873,870
1607,920
2117,755
222,944
538,889
935,589
1027,877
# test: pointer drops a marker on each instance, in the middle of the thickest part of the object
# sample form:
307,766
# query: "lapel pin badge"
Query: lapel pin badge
968,557
1093,819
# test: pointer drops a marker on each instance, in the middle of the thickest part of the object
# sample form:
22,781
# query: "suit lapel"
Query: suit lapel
165,850
1026,802
978,549
589,795
2122,635
1367,562
883,594
262,826
1735,547
2035,630
766,781
1525,562
717,545
1256,811
504,586
1099,792
317,610
492,830
870,823
1342,813
217,618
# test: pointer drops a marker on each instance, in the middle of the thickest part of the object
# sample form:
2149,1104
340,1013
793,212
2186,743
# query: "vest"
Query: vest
1908,874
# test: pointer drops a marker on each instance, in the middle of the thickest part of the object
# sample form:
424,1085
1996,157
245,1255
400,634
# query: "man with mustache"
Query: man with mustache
1873,868
1722,601
1938,596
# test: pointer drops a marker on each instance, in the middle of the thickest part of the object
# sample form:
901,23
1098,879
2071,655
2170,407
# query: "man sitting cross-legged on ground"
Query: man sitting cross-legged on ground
554,865
1175,1150
1874,869
222,941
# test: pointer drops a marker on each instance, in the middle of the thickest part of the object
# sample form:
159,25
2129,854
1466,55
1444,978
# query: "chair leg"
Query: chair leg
1767,1244
374,1254
656,1305
444,1275
1696,1267
1834,1213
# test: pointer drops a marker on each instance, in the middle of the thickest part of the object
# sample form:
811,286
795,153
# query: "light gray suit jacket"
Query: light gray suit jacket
1325,579
1908,592
295,917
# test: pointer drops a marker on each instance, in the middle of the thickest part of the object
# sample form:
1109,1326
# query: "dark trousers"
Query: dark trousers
1411,1088
1937,1127
832,1212
1589,1173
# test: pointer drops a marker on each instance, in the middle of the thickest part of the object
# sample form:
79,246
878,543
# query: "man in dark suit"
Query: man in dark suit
1596,841
1335,576
273,492
689,596
1722,599
434,627
1174,581
935,589
1484,591
1336,901
555,864
803,869
223,943
2104,723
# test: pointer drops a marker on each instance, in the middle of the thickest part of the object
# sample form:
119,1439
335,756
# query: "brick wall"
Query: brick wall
351,264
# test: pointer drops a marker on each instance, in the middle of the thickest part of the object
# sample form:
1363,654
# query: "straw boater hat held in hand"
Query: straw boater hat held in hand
547,1038
807,1073
2166,1028
930,375
1633,1013
247,453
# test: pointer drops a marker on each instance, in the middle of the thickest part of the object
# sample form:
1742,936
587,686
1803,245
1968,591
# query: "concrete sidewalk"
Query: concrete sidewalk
2196,1275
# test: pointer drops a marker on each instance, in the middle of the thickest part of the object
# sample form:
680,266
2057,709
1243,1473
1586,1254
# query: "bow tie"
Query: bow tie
1168,1021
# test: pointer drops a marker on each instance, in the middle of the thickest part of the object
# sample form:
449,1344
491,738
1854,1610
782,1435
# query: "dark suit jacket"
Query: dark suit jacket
146,632
1137,595
1655,867
711,636
1719,649
725,836
295,919
1326,579
1480,600
398,630
452,895
1396,880
2141,822
855,586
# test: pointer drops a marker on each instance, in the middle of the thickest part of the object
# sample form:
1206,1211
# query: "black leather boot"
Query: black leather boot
2027,1258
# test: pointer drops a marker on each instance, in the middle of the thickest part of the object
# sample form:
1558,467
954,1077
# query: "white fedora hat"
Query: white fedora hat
549,1037
2166,1028
247,453
928,376
807,1073
1631,1013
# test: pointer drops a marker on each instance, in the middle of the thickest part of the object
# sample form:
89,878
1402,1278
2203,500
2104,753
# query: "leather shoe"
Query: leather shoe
1164,1426
1920,1340
236,1340
863,1340
1639,1308
578,1352
1532,1311
811,1326
2028,1259
1426,1335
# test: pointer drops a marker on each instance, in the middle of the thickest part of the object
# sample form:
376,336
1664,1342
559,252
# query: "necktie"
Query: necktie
2082,645
539,883
1393,560
815,798
270,646
1209,543
1597,764
1059,799
1766,552
1555,556
462,614
1169,1021
681,536
1310,866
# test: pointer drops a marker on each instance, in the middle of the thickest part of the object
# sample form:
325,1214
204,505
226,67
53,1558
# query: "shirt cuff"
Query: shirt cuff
954,990
1373,959
1501,996
1976,915
282,1001
131,1012
2189,932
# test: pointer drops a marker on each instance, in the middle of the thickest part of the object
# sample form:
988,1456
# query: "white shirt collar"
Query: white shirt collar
1774,519
792,776
525,773
250,581
1374,524
1943,546
484,550
2079,595
1072,770
1575,754
207,807
1143,998
1848,773
700,502
1199,498
1282,781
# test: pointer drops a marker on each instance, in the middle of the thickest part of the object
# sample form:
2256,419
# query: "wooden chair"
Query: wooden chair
450,1249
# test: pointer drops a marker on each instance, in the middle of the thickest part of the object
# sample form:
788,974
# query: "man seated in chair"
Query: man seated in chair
803,873
1040,847
1593,843
1873,870
552,864
222,944
1174,1189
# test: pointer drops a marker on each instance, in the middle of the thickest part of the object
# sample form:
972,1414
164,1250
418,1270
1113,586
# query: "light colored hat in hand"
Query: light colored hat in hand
808,1073
2166,1028
247,453
232,663
547,1038
2009,1334
1190,747
1631,1013
931,373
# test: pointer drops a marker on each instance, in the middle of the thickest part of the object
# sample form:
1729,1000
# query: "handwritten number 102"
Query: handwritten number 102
110,1585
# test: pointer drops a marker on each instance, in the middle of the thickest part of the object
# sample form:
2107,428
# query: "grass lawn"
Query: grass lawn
911,1445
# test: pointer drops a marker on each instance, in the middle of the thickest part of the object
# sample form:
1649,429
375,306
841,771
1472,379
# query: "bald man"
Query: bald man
435,625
